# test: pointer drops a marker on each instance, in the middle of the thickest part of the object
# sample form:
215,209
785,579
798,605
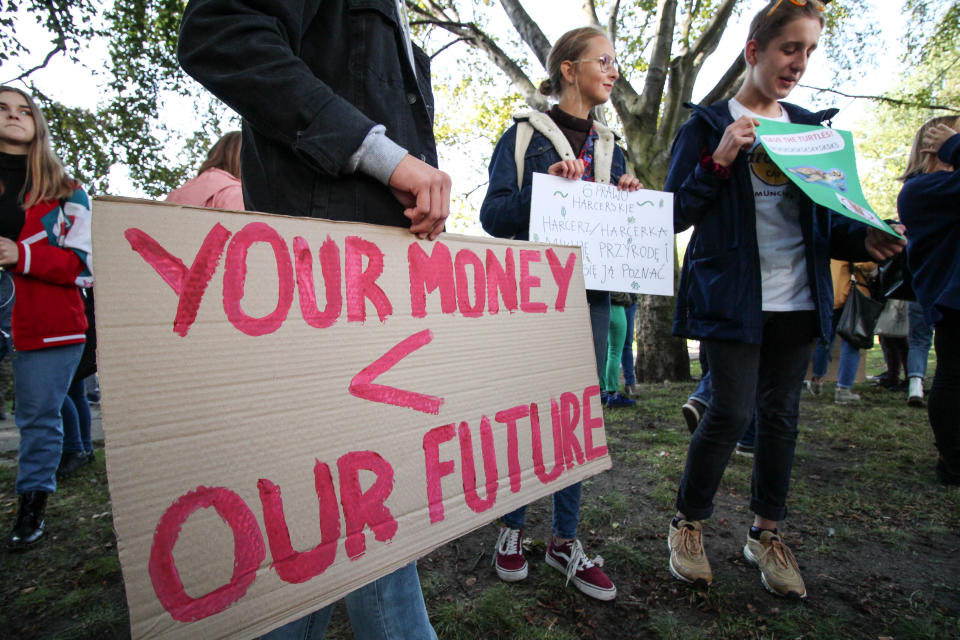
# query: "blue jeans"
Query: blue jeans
702,394
390,608
744,378
566,513
76,420
919,340
41,381
849,357
626,358
566,502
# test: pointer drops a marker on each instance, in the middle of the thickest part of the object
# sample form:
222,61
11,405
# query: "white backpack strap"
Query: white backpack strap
603,154
524,135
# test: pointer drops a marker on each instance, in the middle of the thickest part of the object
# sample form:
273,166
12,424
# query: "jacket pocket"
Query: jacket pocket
377,55
386,8
716,290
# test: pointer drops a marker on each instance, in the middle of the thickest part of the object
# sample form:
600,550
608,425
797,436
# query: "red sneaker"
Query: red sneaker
509,561
586,574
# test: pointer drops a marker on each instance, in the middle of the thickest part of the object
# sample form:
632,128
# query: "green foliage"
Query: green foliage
932,78
141,78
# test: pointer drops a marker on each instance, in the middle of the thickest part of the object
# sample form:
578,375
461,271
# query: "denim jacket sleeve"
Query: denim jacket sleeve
244,52
505,212
694,188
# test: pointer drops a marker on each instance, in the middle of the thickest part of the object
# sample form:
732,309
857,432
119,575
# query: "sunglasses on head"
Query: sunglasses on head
820,5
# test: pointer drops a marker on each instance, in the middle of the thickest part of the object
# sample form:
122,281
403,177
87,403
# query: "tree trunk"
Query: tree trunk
660,356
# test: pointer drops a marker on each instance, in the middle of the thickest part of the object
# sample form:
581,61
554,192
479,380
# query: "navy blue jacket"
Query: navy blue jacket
505,212
929,206
310,78
719,295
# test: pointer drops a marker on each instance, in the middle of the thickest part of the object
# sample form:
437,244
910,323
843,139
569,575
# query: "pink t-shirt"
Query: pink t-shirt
214,188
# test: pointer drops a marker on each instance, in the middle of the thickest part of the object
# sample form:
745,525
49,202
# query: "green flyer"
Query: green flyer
822,162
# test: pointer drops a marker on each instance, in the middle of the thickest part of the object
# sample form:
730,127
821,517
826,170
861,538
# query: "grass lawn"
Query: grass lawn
875,535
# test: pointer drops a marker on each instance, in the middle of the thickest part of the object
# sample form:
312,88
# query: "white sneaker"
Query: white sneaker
843,396
915,392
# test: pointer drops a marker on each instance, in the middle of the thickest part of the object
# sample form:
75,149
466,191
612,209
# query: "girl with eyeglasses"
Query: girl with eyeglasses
45,243
929,206
566,141
755,289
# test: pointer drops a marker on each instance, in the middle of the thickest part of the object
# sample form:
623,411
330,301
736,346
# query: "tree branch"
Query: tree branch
710,37
57,49
445,47
470,33
528,30
887,99
589,8
728,82
612,21
657,71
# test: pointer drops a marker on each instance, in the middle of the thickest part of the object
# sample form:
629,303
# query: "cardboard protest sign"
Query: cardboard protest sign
823,163
626,238
294,407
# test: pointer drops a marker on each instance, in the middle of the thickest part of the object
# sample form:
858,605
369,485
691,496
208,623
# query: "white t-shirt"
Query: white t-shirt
783,264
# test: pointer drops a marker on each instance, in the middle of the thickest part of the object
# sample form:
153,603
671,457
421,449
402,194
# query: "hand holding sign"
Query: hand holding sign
625,233
740,134
882,245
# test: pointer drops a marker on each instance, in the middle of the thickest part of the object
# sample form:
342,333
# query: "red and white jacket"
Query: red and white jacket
54,263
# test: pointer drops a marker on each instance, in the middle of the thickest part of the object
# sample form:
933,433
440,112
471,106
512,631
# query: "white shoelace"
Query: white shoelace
579,560
508,542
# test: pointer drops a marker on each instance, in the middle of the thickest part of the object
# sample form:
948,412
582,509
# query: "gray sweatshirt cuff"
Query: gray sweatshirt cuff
377,156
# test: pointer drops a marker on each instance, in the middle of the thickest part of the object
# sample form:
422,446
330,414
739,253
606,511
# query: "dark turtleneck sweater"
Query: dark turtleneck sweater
575,129
13,174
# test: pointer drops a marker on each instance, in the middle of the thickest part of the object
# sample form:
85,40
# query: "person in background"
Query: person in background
569,142
610,387
895,351
45,243
755,290
77,422
626,357
842,272
217,183
929,206
337,111
919,342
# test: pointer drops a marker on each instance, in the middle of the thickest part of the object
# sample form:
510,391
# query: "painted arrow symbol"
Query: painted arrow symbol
363,386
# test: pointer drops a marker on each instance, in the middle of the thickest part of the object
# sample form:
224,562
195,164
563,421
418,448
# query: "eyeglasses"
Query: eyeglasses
607,62
818,4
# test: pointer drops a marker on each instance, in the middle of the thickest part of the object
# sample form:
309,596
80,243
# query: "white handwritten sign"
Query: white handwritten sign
626,238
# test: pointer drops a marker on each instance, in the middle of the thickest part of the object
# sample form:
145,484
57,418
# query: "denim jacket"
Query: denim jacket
505,212
720,295
311,78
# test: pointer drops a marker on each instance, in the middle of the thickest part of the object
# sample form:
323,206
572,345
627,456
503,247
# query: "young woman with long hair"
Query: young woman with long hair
569,142
45,244
755,289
